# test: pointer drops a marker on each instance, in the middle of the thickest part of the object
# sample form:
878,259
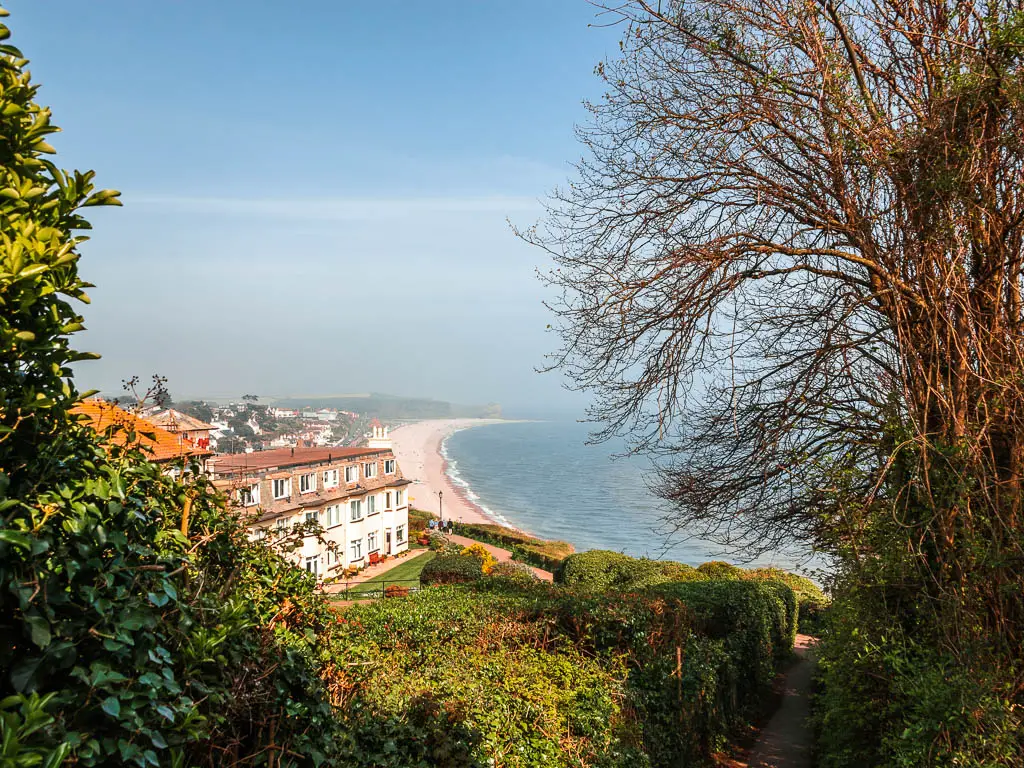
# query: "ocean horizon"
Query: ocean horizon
542,477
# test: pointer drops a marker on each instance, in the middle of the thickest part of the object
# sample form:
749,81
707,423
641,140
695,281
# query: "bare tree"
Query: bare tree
792,255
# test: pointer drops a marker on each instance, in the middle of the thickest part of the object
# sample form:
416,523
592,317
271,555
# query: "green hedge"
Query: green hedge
495,672
718,569
601,569
451,569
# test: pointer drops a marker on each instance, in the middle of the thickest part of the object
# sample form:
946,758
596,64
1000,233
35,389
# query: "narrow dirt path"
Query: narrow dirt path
786,741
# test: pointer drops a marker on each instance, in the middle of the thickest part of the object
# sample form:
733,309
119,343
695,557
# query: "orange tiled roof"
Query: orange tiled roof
114,423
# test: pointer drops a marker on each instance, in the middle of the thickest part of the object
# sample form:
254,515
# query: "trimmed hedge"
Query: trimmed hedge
601,569
452,569
755,620
718,569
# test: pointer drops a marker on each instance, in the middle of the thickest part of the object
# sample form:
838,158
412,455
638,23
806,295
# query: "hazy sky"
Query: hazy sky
316,192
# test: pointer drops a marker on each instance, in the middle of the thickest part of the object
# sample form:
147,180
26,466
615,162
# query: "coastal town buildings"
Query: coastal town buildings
357,495
192,428
176,450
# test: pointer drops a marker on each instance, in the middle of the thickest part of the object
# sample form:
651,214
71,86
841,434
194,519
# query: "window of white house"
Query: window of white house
387,500
351,474
281,524
282,487
313,564
398,498
307,483
333,515
249,495
400,534
312,516
371,542
371,505
356,547
355,510
389,466
331,478
370,469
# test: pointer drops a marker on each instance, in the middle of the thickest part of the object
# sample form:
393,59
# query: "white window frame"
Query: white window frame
389,466
400,534
285,485
356,548
398,498
313,560
309,480
333,515
355,510
369,469
388,498
352,474
371,505
330,478
312,516
371,542
250,495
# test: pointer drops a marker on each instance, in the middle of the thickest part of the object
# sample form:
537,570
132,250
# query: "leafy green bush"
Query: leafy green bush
751,618
717,569
889,696
601,569
529,674
452,569
513,571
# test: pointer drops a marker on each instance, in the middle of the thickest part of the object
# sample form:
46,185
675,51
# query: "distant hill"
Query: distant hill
392,407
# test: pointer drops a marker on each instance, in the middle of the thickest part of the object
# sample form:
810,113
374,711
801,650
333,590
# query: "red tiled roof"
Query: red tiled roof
260,461
115,423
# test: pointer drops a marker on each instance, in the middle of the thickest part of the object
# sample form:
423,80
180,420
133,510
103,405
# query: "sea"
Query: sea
543,477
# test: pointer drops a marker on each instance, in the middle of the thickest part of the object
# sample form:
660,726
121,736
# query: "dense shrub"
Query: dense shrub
602,569
753,619
513,571
890,697
451,569
479,551
535,675
717,569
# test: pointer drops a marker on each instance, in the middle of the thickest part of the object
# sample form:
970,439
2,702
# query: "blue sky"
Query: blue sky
316,192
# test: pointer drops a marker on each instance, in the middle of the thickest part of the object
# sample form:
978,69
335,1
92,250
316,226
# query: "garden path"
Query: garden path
502,555
787,739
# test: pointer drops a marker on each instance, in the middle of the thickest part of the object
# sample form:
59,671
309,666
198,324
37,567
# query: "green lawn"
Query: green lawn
402,574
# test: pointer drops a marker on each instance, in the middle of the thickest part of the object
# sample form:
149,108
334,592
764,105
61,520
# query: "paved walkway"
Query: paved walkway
502,555
786,741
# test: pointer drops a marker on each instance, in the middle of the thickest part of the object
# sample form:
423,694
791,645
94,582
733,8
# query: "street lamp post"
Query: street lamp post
440,511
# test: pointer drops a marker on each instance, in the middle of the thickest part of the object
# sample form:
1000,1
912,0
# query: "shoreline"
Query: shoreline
421,454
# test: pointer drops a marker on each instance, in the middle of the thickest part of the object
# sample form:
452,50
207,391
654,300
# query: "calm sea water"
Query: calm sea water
543,478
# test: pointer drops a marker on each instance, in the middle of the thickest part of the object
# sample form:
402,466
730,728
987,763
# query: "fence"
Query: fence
367,590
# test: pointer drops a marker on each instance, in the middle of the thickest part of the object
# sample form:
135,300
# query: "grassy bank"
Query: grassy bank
404,574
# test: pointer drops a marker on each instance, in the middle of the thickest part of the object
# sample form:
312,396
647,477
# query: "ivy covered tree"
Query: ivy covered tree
138,625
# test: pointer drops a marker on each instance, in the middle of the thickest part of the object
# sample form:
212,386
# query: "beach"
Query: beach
418,450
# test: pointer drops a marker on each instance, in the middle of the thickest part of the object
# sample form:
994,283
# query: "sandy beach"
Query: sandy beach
418,450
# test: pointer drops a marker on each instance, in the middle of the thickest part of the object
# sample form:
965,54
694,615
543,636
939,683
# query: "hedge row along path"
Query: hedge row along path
502,555
786,741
